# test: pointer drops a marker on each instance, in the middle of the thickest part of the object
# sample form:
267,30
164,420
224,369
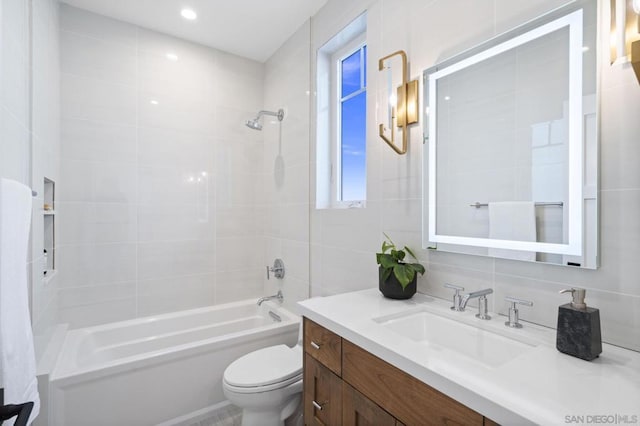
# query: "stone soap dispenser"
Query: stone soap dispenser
579,327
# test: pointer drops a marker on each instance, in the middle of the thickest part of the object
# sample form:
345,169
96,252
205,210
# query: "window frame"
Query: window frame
353,46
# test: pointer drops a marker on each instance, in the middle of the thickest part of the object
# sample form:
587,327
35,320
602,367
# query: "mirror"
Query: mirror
511,135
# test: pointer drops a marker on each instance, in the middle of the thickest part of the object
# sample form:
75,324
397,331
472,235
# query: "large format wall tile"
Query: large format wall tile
97,100
14,148
87,140
86,223
97,182
175,259
163,221
170,294
90,24
96,264
98,59
141,189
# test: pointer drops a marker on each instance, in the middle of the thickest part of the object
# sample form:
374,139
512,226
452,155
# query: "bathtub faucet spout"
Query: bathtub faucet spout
278,296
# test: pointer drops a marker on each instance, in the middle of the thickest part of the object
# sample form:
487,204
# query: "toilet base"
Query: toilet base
292,413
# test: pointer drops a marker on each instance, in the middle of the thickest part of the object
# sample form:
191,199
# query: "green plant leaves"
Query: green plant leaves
386,273
393,262
386,260
404,274
418,268
398,255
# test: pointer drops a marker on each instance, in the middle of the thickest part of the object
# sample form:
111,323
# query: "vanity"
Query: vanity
371,360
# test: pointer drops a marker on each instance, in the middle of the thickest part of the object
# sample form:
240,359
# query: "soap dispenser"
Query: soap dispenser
579,327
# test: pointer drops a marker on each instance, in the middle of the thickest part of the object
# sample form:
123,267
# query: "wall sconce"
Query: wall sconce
402,106
625,33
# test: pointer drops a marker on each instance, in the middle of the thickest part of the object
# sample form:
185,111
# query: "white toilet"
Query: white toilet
267,385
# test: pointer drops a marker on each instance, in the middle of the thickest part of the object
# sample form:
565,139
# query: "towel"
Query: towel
17,357
512,220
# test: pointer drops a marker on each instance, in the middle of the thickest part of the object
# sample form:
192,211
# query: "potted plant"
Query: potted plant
397,278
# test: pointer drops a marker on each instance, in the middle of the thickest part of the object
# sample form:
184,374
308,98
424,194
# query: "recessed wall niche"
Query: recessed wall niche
49,241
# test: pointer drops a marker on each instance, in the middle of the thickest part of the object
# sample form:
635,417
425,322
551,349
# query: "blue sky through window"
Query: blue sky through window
353,127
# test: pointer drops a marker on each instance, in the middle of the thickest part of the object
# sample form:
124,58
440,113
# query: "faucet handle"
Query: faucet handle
515,300
457,299
457,288
277,269
513,311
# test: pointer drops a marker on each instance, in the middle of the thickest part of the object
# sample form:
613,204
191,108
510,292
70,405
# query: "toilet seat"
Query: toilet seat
264,370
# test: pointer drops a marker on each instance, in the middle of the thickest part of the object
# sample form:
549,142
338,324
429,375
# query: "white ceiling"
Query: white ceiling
250,28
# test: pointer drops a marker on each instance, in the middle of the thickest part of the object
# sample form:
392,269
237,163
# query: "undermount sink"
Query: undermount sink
481,345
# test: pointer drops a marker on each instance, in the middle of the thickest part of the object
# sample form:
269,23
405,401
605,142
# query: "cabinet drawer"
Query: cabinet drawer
358,410
322,395
323,345
403,396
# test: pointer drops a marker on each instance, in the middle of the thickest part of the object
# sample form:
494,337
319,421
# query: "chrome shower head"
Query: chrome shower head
255,123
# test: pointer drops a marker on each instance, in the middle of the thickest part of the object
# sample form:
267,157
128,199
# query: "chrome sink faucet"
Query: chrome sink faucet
460,301
278,296
482,302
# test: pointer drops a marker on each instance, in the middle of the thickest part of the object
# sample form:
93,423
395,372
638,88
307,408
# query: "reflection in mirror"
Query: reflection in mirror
512,144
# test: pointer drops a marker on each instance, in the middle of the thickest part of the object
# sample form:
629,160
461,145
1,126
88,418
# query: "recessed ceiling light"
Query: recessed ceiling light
153,102
189,14
172,56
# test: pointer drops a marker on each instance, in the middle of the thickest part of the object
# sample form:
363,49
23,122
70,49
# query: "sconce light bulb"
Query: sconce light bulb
393,100
636,6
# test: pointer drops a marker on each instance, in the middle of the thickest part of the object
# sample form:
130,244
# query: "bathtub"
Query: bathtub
165,369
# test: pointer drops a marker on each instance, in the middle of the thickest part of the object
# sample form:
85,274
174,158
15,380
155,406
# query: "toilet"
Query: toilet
267,385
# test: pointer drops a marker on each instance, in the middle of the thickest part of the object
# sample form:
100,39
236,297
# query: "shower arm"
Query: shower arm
279,114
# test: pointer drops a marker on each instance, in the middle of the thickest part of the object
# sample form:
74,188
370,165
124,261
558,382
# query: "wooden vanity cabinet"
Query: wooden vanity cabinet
346,385
322,394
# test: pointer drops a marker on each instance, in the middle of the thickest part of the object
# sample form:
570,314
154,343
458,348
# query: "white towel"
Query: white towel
512,220
17,357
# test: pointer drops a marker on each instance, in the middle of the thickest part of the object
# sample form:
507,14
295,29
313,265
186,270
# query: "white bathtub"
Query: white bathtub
162,369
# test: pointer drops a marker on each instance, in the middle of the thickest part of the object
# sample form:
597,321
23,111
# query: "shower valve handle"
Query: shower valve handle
277,269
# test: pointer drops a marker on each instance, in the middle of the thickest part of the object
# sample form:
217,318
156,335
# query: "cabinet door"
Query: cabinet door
322,395
358,410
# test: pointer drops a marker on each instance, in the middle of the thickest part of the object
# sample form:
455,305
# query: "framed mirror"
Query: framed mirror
511,144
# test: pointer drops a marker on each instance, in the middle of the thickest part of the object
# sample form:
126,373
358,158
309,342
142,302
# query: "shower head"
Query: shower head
255,123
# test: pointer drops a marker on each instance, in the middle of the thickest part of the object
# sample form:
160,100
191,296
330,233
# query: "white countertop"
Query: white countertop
541,386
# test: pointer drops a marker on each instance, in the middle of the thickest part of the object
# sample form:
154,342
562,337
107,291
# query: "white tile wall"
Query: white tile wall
157,199
341,263
29,127
285,174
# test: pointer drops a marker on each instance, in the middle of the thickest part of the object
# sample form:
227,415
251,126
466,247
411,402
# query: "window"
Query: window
341,118
349,165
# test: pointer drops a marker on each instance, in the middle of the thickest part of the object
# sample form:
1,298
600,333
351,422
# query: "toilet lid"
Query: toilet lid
265,367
